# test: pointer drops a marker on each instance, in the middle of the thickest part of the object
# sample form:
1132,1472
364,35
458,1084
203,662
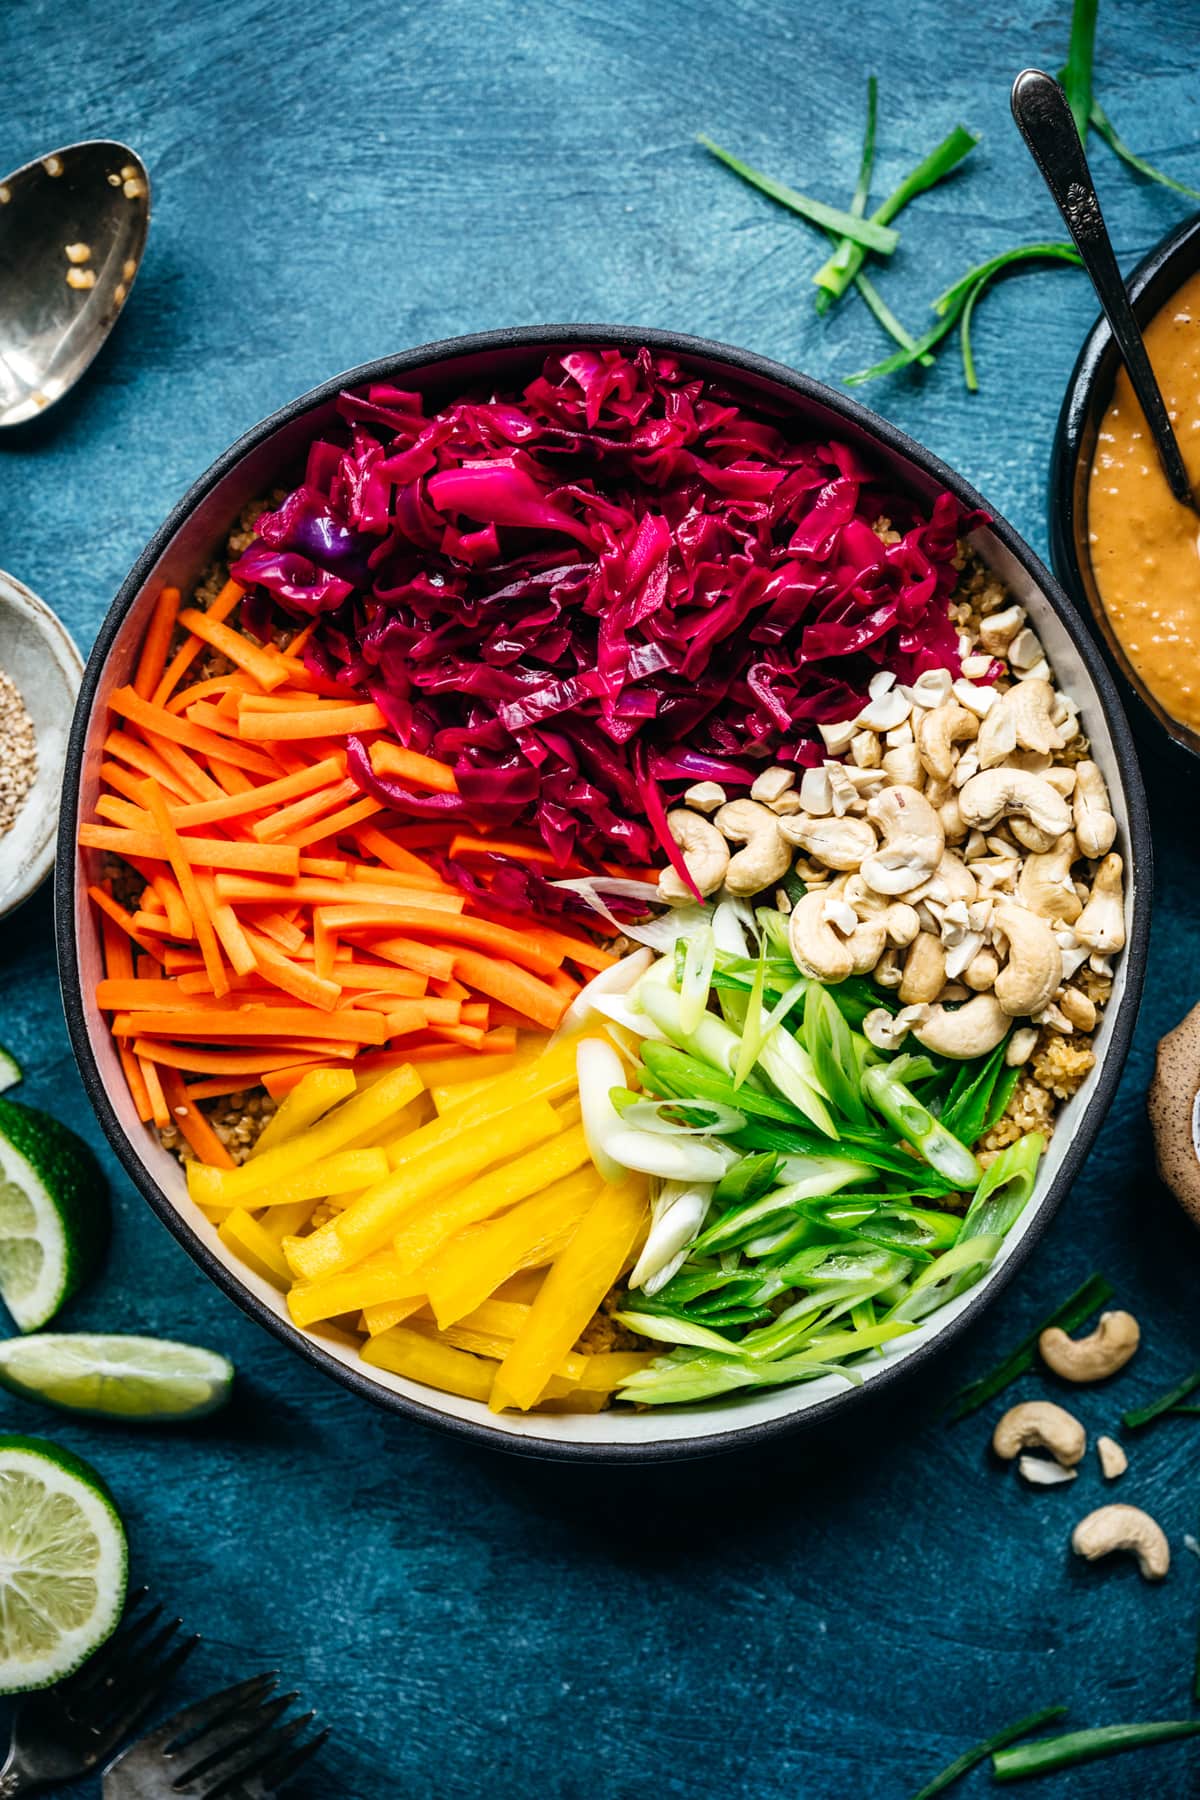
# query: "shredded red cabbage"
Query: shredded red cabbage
588,595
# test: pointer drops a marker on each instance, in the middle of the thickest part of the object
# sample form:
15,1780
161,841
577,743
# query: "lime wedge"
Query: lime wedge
10,1069
139,1378
63,1563
53,1214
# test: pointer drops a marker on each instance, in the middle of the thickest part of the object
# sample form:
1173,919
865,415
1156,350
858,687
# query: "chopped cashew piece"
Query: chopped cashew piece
998,630
772,784
1095,826
1113,1460
1034,970
766,858
970,1030
705,796
913,841
1040,1425
1095,1357
997,794
837,737
838,843
1040,1471
1021,1046
1101,924
1117,1527
704,851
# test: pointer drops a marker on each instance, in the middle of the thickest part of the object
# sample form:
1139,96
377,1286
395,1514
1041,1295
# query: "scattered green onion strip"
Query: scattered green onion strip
998,1741
1154,1409
1074,1310
872,234
1077,71
1048,1754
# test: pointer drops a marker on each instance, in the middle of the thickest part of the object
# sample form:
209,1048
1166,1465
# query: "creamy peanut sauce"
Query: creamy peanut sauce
1145,545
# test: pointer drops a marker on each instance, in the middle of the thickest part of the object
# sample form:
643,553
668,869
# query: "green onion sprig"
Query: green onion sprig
1046,1755
1074,1310
870,233
998,1741
1168,1402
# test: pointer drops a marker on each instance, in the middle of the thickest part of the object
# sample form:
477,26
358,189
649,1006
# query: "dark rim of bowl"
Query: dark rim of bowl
1172,261
807,393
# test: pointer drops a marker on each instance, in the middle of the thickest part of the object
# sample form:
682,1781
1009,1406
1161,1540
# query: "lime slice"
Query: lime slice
63,1563
53,1214
10,1069
139,1378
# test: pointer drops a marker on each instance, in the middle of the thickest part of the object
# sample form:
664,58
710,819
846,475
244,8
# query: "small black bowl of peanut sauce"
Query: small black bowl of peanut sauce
1120,541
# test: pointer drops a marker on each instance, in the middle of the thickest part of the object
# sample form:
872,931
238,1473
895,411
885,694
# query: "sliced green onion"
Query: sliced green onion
830,1044
668,1329
1002,1195
699,958
747,1179
824,1175
753,1032
917,1125
1142,1415
677,1215
998,1741
1047,1754
671,1158
1077,72
669,1382
789,1068
934,168
867,232
1101,122
950,1275
882,312
599,1070
671,1068
655,1115
712,1041
1079,1306
949,306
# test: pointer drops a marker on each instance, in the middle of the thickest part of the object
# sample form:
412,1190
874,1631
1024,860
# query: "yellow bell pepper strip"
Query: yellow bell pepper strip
549,1078
606,1371
433,1364
579,1400
309,1100
447,1096
285,1221
247,1239
572,1291
375,1216
343,1173
385,1313
475,1263
423,1234
492,1330
374,1280
373,1108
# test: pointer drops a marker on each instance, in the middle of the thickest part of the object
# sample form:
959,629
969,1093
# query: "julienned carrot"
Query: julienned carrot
394,856
177,856
221,685
263,798
160,724
512,986
263,665
330,827
196,1060
427,959
306,890
338,721
219,1087
302,810
293,978
480,934
191,647
422,771
156,1100
213,853
191,1122
260,1021
279,929
228,927
118,914
146,761
152,659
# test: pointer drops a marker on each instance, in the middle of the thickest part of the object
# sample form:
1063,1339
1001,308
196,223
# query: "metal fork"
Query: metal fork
236,1745
66,1730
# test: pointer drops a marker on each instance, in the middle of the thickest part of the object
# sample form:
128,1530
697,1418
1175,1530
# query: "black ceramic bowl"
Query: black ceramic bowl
1088,394
198,526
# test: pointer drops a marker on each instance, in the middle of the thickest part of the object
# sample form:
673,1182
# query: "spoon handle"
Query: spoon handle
1044,120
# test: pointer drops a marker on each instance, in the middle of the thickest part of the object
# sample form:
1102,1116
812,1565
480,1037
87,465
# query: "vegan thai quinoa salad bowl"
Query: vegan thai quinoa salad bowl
602,893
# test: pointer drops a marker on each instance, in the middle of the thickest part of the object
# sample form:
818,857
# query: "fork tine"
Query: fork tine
204,1714
277,1774
255,1753
111,1729
112,1654
232,1736
128,1675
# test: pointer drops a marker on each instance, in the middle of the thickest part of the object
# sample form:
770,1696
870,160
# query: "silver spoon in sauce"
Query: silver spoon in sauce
1045,121
72,231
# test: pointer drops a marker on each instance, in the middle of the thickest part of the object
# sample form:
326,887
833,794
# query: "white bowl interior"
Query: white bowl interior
180,562
39,656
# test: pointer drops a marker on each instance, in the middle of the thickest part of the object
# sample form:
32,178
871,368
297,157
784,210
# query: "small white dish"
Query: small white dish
37,653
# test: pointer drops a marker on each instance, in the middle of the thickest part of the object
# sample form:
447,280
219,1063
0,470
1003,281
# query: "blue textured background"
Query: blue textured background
335,180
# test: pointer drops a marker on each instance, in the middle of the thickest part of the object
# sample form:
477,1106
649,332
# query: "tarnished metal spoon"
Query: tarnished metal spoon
1045,121
72,231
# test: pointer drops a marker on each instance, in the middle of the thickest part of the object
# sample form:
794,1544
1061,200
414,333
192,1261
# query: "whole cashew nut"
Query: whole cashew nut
937,733
765,859
913,841
816,946
704,851
1022,718
924,970
981,972
1095,826
996,794
1040,1425
1045,886
969,1030
838,843
1118,1527
1095,1357
1034,970
1101,924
